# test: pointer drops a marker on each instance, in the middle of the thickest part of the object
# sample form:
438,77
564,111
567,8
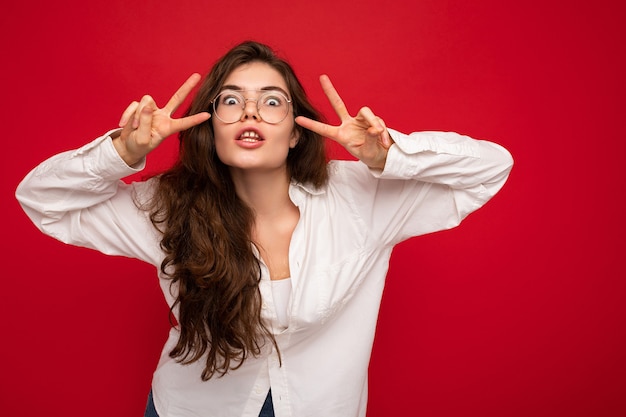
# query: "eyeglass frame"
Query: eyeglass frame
245,102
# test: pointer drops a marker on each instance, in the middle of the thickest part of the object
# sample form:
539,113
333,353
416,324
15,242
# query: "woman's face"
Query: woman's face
250,143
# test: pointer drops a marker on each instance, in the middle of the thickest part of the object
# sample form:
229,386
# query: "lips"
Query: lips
249,135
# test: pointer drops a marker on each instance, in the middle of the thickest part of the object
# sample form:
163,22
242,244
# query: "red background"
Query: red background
518,312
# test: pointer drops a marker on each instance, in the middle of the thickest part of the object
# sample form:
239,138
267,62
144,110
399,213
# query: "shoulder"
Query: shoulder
340,170
350,176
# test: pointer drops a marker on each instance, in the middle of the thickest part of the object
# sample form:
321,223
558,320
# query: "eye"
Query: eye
273,100
230,99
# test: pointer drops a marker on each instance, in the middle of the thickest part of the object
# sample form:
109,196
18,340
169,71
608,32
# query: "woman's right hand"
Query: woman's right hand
145,126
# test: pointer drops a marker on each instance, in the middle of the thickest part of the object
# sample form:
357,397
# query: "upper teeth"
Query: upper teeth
250,135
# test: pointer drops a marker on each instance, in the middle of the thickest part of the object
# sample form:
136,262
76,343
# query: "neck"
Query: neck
267,192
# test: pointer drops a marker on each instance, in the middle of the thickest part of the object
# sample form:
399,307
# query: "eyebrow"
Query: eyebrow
268,88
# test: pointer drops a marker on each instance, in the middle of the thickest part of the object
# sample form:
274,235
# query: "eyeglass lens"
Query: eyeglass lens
272,106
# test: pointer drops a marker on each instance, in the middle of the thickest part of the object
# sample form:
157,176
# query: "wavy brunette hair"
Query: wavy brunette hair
207,228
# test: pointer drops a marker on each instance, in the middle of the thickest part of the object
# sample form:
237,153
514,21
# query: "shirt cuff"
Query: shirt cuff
102,160
401,158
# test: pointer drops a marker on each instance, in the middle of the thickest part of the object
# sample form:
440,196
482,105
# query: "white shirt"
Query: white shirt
281,294
338,258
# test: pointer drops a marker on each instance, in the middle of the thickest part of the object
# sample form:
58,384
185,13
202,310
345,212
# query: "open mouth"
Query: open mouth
250,136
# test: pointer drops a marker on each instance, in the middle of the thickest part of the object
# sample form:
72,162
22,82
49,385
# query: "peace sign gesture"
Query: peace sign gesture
145,125
365,136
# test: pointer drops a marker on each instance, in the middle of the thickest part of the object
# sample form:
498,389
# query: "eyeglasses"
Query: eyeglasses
230,105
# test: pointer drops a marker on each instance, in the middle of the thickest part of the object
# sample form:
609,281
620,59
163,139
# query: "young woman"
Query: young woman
272,260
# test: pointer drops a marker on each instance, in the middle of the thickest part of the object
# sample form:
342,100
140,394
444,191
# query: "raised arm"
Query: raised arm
78,197
417,183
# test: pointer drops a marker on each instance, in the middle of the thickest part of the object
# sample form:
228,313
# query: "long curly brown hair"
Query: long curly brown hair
207,228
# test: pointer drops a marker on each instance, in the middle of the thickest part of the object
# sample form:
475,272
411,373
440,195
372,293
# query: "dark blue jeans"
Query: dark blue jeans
266,411
150,410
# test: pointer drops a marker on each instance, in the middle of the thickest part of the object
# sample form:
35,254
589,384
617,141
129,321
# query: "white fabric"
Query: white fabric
338,256
281,293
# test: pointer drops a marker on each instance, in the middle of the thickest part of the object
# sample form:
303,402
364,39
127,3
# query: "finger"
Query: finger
333,97
189,121
367,115
130,110
320,128
127,130
180,94
386,137
146,101
144,129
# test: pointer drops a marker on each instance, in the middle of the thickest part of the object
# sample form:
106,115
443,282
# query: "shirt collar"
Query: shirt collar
299,191
309,188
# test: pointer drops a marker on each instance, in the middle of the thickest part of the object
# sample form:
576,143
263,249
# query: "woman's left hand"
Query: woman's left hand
365,136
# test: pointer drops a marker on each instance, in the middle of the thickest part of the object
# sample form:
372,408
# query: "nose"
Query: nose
250,110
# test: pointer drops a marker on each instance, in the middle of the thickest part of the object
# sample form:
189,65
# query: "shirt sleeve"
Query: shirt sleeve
79,198
431,181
